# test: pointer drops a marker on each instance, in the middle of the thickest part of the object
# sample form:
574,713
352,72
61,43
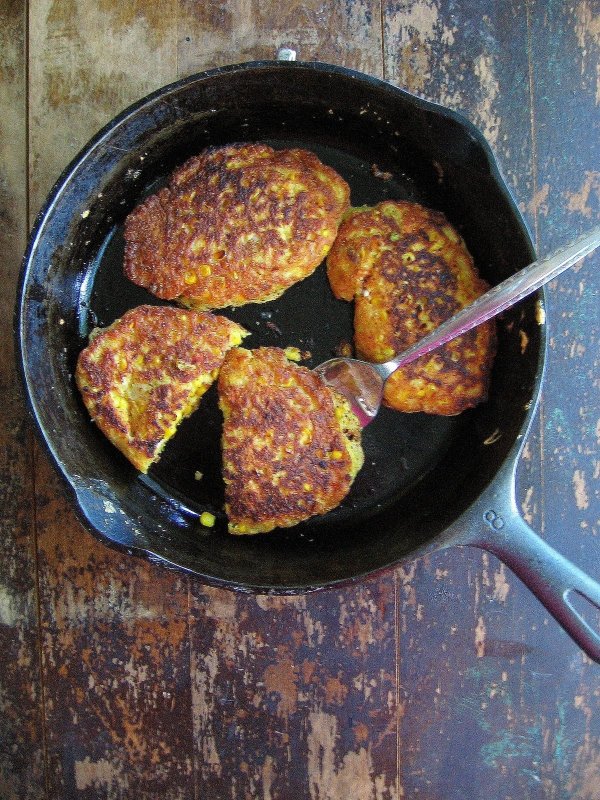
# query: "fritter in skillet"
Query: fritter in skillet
147,371
291,445
408,271
236,224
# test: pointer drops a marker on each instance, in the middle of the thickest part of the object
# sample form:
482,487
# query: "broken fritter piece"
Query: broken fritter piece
408,270
141,376
291,445
235,225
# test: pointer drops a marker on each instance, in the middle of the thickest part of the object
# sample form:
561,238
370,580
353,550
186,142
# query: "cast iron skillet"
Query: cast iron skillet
428,482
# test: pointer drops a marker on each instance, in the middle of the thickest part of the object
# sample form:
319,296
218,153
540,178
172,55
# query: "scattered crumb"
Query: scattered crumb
273,327
439,169
344,349
293,354
492,438
207,519
385,176
85,213
540,313
198,475
524,340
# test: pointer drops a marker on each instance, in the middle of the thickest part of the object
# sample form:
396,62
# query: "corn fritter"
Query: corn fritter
291,445
147,371
235,225
408,270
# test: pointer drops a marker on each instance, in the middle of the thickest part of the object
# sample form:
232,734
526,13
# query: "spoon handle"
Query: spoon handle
498,299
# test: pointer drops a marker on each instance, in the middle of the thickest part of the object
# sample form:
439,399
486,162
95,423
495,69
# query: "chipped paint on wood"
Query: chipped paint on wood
132,53
582,500
116,661
539,202
587,198
224,32
256,699
157,686
21,712
334,776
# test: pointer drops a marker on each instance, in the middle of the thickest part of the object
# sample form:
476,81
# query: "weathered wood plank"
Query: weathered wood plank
292,697
21,722
116,660
296,697
483,686
114,629
566,39
89,61
234,31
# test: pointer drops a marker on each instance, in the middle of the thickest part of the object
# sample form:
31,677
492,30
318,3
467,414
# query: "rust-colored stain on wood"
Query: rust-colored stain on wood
442,679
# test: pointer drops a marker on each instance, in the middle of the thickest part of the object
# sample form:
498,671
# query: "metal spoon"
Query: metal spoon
362,382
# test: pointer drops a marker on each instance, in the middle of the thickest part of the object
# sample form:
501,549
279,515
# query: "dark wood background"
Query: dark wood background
443,680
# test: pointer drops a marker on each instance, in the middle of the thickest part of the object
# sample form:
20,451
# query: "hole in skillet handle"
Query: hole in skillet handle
583,607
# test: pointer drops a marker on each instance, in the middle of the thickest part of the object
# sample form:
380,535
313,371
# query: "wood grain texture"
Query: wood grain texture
296,697
21,737
91,60
234,31
444,679
567,40
116,663
510,662
115,646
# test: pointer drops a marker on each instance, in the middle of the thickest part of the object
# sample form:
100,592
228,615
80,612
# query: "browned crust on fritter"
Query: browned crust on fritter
236,224
286,453
141,374
408,271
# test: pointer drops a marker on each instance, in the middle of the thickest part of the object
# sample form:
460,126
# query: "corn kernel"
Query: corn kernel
207,519
450,233
293,354
190,278
305,436
307,487
204,270
336,455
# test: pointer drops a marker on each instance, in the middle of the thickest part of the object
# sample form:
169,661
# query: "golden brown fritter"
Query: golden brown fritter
236,224
291,445
147,371
408,271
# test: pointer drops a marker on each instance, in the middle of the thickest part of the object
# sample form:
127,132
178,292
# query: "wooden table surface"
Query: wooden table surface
444,679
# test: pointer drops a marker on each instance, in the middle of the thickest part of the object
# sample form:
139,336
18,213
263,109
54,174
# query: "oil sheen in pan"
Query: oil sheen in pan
400,449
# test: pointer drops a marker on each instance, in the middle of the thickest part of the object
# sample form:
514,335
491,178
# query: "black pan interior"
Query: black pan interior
420,471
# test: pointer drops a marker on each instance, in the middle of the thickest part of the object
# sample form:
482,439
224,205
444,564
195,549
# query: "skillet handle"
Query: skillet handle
554,580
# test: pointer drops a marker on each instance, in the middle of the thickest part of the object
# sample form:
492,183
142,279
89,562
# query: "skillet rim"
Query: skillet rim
436,541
